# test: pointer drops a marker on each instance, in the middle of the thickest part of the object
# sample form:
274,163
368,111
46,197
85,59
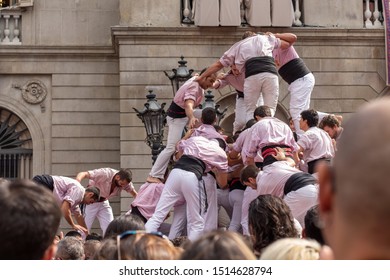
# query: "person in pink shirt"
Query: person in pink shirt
236,80
110,182
253,56
197,155
267,134
180,112
207,130
315,143
298,189
69,194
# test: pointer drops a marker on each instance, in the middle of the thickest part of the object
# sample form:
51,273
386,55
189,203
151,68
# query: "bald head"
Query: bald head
362,163
354,200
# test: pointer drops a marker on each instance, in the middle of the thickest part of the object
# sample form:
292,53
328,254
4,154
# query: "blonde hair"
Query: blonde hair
292,249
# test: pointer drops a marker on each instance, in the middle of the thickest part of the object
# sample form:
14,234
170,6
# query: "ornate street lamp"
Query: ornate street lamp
153,116
209,103
179,75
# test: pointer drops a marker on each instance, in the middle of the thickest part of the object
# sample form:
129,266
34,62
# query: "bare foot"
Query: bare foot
151,179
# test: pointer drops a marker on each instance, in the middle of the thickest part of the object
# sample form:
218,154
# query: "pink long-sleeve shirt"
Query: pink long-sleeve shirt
70,190
268,131
255,46
282,56
102,179
190,90
206,150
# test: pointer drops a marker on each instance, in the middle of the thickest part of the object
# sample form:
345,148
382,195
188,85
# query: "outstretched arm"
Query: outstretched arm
82,175
288,37
65,209
213,68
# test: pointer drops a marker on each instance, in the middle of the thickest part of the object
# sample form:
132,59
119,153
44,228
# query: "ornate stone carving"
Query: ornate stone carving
34,92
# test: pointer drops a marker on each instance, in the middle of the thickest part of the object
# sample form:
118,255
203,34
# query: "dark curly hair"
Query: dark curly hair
270,219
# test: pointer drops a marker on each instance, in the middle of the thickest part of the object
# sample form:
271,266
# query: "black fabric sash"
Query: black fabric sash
44,180
175,111
293,70
298,181
260,64
191,164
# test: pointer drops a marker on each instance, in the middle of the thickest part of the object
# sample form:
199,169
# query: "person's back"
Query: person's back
355,193
29,220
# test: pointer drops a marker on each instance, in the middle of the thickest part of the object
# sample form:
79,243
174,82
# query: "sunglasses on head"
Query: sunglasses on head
125,234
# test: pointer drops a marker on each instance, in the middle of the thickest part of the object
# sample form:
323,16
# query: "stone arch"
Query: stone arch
228,100
38,145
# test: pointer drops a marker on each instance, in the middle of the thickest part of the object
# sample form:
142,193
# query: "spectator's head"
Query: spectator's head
74,233
108,249
219,245
124,223
94,236
140,245
292,249
269,219
29,220
91,246
70,248
354,193
312,228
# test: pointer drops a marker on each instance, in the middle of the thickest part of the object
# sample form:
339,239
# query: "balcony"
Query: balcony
278,13
10,20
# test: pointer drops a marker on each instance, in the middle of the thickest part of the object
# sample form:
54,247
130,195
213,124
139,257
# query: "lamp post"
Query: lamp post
179,75
153,116
209,103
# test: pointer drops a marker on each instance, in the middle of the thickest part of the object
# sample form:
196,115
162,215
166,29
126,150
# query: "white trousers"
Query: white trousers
175,132
179,222
249,195
211,215
235,199
100,210
240,115
302,200
263,85
300,93
181,184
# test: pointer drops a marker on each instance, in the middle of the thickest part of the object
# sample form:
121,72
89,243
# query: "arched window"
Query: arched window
15,147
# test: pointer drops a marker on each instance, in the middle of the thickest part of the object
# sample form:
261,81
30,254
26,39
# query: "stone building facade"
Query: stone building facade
82,65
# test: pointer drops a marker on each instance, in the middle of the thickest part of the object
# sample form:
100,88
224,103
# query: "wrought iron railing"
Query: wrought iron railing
16,164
